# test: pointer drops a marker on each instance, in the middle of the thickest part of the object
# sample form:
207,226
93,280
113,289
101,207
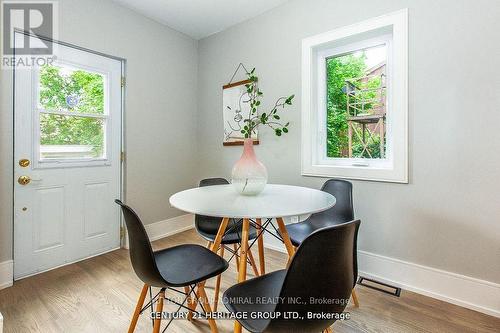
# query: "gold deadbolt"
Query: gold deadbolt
24,162
24,180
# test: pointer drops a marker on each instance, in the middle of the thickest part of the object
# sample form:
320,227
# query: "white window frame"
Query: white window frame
392,30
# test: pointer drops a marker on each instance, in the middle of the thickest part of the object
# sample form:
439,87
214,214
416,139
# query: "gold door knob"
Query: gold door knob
24,180
24,163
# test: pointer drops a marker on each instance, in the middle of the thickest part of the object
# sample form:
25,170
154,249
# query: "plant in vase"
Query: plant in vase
249,175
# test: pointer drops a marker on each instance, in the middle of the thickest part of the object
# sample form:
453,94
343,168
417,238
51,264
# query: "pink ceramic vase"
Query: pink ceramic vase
249,176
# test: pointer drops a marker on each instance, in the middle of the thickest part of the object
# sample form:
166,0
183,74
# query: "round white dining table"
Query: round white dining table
274,202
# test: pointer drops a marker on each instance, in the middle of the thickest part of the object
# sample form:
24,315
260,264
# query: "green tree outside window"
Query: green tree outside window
338,70
78,92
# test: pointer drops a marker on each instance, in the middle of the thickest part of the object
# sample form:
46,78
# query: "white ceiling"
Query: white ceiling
200,18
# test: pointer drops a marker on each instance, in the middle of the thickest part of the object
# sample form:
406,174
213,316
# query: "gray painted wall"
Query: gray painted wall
448,217
160,106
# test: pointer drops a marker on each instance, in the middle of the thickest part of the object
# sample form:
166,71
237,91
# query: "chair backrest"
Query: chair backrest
141,253
209,224
321,270
343,211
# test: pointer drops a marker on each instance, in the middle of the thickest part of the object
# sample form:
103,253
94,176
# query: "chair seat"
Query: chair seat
253,292
299,231
188,264
231,237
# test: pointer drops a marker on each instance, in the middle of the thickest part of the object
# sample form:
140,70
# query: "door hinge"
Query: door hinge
122,156
122,232
123,81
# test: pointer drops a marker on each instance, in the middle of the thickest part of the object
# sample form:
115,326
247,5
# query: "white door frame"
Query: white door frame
122,181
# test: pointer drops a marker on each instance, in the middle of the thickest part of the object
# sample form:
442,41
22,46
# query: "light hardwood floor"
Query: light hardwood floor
99,295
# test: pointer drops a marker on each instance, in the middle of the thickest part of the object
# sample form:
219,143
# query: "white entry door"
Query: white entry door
67,153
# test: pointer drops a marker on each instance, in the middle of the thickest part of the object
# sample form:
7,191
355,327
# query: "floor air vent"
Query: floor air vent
380,286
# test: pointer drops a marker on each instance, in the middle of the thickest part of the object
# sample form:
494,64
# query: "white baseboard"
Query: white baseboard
6,270
272,246
1,323
465,291
168,227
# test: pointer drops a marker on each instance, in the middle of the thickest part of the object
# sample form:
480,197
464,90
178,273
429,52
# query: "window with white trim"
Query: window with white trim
354,95
71,115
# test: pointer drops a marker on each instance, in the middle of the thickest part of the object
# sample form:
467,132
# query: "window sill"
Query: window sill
391,175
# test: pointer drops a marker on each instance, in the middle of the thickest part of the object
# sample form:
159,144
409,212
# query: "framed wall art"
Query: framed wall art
236,108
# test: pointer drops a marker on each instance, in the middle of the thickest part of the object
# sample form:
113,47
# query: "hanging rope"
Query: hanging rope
236,71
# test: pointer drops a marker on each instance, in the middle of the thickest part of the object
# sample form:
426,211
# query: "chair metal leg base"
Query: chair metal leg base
189,302
192,302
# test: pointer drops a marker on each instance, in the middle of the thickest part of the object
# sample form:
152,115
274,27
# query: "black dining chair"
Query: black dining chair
186,266
318,281
208,226
342,212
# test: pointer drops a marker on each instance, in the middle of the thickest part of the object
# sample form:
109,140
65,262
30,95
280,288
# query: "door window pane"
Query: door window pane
71,137
63,88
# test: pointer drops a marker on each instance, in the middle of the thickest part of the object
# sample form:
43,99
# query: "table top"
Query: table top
274,201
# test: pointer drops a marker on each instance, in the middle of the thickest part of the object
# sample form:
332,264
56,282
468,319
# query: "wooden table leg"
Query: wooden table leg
242,273
286,238
260,244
